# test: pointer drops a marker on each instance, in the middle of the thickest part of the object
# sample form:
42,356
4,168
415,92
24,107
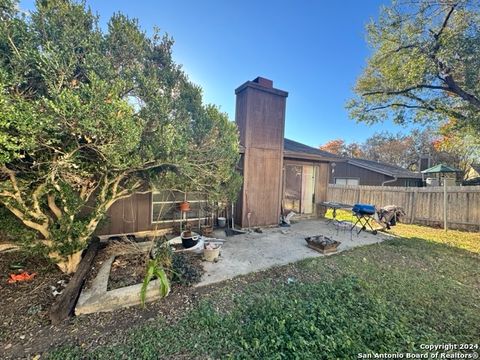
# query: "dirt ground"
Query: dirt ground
24,305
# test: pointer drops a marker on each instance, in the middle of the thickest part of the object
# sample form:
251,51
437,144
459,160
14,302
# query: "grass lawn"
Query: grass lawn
423,288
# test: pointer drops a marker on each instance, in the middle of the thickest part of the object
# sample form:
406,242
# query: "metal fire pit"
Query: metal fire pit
322,244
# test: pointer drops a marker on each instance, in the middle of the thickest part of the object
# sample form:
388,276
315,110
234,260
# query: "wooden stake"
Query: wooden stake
65,303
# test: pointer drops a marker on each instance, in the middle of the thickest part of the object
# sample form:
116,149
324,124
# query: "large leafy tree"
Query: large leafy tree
87,117
424,66
340,147
406,150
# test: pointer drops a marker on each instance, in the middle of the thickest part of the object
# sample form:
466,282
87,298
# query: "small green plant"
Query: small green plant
155,270
185,269
158,268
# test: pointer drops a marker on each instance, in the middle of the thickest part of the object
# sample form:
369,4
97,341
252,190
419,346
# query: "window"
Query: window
347,181
165,206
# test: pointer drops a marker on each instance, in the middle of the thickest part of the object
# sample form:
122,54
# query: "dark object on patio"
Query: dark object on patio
390,215
365,214
323,244
364,209
284,224
233,232
188,239
65,303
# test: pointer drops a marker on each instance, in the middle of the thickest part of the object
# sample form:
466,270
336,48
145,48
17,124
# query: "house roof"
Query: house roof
440,168
296,149
383,168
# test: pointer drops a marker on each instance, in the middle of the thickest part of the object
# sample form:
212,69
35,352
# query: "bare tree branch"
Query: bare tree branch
397,92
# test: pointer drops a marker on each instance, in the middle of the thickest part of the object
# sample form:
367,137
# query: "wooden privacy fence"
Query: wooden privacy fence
422,205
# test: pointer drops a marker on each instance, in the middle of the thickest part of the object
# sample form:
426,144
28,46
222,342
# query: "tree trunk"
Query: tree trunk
69,264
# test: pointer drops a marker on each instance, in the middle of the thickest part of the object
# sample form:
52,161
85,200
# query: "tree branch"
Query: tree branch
445,21
454,88
53,206
398,92
41,228
13,181
391,105
36,203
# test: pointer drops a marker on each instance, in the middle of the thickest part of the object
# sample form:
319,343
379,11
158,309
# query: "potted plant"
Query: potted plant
189,239
184,206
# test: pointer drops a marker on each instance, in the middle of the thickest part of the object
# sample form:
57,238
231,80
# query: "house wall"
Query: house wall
129,215
134,215
406,182
368,177
260,117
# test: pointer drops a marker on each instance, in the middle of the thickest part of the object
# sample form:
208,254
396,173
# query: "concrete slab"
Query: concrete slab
242,254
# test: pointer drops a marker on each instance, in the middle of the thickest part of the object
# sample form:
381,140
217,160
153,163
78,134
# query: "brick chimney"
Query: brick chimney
260,117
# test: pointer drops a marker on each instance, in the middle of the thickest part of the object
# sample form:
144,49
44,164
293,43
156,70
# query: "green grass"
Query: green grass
388,297
461,239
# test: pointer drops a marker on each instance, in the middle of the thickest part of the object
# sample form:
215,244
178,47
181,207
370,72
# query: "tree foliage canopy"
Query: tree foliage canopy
88,117
425,65
406,150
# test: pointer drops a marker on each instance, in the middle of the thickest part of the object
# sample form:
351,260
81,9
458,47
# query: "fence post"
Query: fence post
412,206
445,226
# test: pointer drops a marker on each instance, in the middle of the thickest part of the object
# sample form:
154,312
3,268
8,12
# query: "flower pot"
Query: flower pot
222,222
211,254
184,206
189,240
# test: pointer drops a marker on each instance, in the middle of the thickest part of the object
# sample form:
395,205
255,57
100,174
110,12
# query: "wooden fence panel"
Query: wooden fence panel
422,205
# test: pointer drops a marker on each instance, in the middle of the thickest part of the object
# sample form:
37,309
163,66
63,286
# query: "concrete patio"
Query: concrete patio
240,254
251,252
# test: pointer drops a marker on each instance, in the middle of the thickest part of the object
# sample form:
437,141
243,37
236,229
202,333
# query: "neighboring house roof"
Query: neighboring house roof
299,150
296,149
439,169
386,169
474,181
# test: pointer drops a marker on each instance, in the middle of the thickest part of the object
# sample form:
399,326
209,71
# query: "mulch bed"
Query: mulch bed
127,270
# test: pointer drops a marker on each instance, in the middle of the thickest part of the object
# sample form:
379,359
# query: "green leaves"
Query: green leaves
88,117
424,65
155,270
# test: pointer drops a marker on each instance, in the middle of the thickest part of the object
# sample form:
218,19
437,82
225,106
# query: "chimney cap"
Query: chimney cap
263,82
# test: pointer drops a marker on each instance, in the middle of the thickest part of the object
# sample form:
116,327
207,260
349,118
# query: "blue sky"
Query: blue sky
315,50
